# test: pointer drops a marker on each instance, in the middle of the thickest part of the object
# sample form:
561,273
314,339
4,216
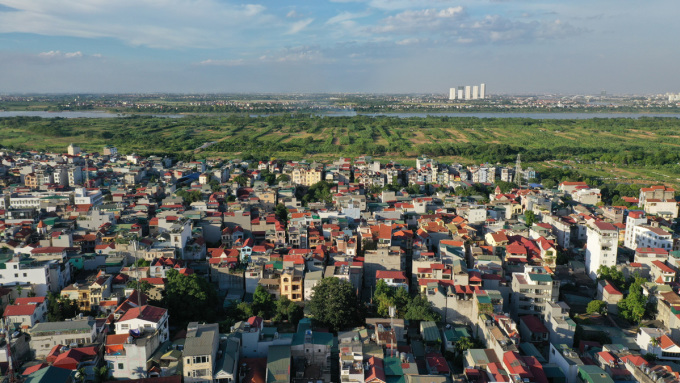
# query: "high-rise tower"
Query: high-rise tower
518,171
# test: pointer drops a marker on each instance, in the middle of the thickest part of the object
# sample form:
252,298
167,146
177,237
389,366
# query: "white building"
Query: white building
43,276
649,236
84,196
634,219
602,246
146,319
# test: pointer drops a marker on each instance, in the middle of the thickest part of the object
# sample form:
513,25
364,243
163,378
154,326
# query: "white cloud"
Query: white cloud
410,41
299,25
420,20
153,23
64,55
346,16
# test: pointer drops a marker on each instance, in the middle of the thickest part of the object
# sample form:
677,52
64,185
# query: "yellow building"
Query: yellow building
291,285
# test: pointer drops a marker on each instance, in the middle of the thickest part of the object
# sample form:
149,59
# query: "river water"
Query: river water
538,116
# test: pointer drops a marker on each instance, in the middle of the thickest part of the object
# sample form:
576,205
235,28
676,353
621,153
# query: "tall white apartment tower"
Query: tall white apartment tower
467,92
482,91
452,93
475,92
602,247
460,94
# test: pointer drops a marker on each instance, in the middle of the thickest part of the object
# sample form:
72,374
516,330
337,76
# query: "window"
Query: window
16,275
120,366
25,275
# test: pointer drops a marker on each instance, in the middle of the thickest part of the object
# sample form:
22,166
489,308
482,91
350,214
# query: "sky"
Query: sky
355,46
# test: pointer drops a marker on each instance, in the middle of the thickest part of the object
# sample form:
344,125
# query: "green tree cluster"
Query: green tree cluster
189,196
319,192
190,298
407,307
335,304
596,307
634,305
529,218
60,308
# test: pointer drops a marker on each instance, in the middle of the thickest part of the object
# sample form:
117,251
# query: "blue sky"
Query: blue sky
387,46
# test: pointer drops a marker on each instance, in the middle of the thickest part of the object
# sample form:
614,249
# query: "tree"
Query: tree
506,186
288,310
282,214
101,374
633,306
283,178
241,180
60,308
143,286
263,303
596,306
421,309
463,344
334,304
190,298
611,274
386,296
189,196
214,185
529,218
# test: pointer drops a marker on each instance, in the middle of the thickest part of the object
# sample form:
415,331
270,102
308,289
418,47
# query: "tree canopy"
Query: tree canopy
60,308
634,305
596,307
190,298
335,304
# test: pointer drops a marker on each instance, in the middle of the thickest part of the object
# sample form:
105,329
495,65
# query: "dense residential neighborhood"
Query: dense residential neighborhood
152,269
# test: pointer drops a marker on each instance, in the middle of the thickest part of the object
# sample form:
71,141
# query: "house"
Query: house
74,333
392,278
50,374
657,342
533,330
609,294
200,352
26,312
144,319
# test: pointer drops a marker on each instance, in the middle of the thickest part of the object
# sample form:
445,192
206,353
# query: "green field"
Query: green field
619,147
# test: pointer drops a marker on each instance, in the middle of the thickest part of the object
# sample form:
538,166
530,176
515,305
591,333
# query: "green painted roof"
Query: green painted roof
49,374
392,366
430,331
278,364
540,277
594,374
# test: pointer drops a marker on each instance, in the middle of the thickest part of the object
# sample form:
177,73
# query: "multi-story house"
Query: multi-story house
73,333
144,319
291,284
602,247
200,352
635,218
532,290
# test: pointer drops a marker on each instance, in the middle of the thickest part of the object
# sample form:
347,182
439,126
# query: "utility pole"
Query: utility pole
393,310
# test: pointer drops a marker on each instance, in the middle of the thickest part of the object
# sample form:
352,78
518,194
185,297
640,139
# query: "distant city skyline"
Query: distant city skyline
356,46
